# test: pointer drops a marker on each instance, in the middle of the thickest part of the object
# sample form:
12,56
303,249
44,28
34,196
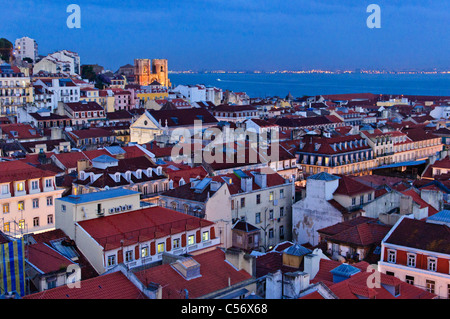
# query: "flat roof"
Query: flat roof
96,196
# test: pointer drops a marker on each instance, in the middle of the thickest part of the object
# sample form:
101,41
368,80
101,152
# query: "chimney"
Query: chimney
312,263
82,165
56,133
260,179
246,183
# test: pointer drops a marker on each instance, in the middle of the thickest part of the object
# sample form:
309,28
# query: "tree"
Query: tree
6,49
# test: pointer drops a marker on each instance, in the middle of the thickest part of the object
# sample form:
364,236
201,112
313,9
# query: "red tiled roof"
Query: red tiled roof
17,171
110,286
155,222
215,275
350,187
90,133
47,259
421,235
24,131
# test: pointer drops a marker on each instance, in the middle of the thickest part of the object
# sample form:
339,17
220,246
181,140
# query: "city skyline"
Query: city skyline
241,36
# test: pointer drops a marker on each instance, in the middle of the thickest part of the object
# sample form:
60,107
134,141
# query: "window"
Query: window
160,248
258,218
36,222
63,208
48,183
50,201
281,193
21,224
144,251
411,260
391,256
176,243
129,255
205,236
430,285
361,199
5,208
243,202
271,196
20,187
50,219
281,232
258,199
271,214
390,273
51,283
111,260
281,211
271,233
369,197
36,203
21,205
34,185
353,201
409,280
432,262
5,189
191,240
6,228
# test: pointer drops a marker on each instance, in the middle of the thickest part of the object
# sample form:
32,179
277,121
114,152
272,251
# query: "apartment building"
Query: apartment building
418,252
15,90
27,198
336,155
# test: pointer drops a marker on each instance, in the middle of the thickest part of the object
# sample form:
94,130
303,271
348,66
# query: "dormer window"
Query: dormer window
432,264
117,177
48,183
139,173
392,256
159,170
20,186
411,260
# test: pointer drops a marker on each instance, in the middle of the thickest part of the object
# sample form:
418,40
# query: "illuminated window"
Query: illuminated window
6,227
21,205
191,240
20,187
144,251
21,224
5,208
271,196
160,248
205,236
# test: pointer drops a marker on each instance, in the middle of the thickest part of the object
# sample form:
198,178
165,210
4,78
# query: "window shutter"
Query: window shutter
199,238
168,244
183,240
136,252
213,232
120,256
152,248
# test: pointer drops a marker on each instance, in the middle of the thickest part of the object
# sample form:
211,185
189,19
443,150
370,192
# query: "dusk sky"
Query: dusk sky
239,34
